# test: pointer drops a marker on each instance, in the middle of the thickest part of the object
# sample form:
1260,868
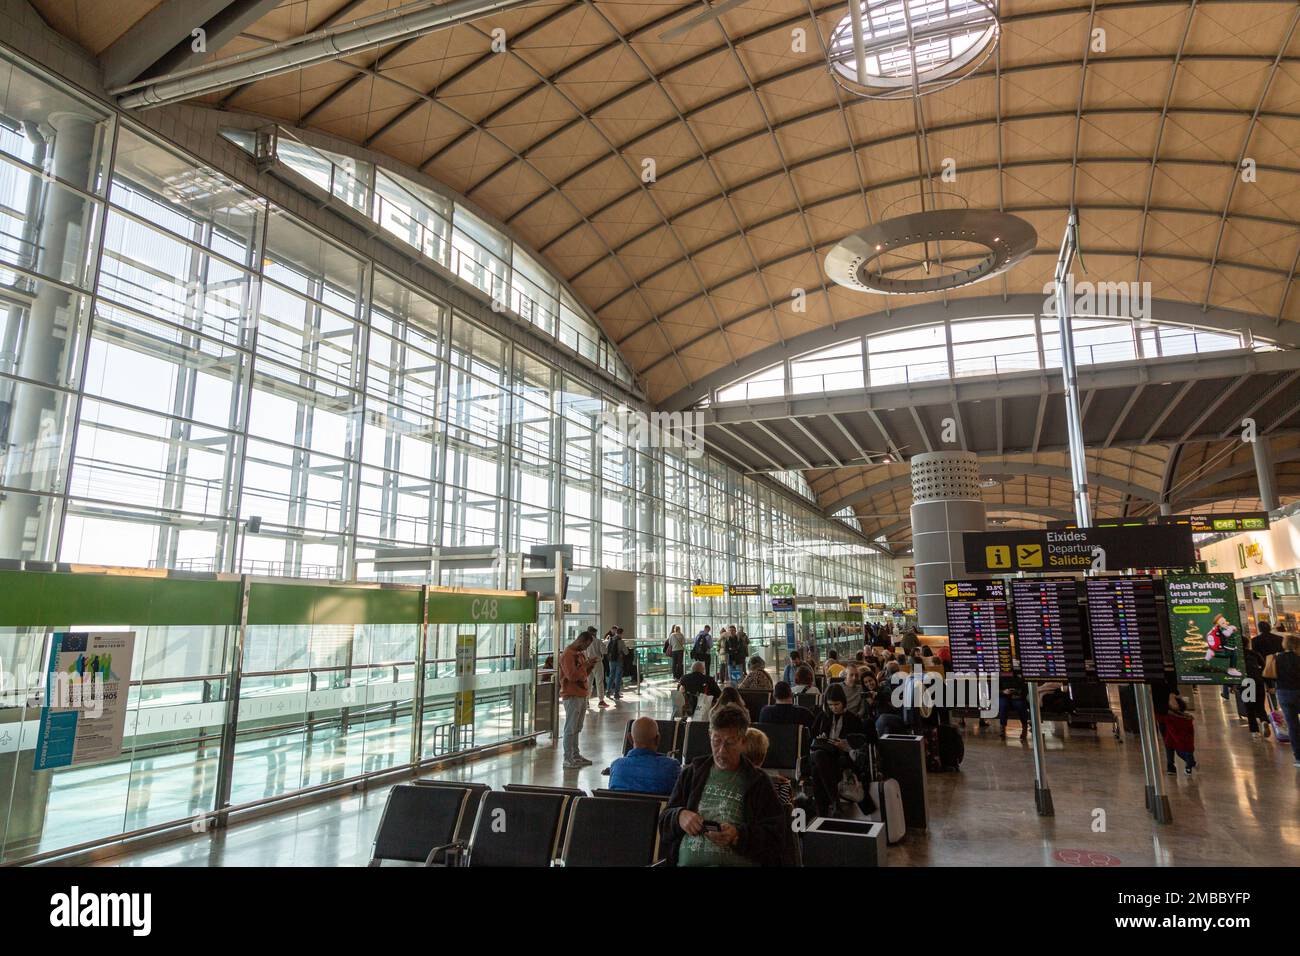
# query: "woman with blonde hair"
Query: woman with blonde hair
756,744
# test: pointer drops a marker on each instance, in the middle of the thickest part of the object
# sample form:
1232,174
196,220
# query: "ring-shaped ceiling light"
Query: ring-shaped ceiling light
912,47
1007,238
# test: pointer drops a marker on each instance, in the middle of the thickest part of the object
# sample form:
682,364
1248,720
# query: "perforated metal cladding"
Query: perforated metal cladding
943,475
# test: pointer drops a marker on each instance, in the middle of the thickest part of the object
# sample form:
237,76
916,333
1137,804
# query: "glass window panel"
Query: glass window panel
142,459
157,366
44,126
398,439
45,227
320,420
768,383
415,215
42,330
39,431
149,272
194,202
396,508
835,368
314,266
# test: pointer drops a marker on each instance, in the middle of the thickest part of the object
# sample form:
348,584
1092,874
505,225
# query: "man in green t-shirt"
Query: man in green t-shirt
724,811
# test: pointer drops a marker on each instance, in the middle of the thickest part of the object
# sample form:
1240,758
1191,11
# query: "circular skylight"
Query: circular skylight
912,46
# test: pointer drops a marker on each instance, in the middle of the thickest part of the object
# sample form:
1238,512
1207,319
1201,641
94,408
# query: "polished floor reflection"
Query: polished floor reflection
1240,807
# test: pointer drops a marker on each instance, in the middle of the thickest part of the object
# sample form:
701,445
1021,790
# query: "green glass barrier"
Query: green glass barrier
55,598
52,598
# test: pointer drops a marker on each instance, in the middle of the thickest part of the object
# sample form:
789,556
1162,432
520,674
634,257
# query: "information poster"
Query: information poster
1125,630
1205,628
83,715
1048,628
979,631
466,664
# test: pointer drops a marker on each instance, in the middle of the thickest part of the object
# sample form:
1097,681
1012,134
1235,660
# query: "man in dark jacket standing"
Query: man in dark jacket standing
724,811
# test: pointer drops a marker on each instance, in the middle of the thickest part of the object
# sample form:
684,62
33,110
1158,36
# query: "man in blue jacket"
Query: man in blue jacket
644,769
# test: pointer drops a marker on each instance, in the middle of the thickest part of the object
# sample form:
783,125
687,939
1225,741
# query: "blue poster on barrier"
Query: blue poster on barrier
83,713
789,636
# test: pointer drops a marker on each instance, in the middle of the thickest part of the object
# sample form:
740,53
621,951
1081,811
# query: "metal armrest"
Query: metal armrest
453,855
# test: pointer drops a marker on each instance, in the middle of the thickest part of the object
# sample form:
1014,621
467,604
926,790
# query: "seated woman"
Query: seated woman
757,678
836,731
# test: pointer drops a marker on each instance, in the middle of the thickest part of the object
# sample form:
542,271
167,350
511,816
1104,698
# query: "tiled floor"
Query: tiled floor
1242,806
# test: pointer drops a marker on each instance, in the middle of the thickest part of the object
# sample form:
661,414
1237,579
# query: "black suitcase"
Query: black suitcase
1128,708
952,749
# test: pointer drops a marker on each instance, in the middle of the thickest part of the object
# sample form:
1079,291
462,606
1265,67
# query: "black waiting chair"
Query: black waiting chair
659,798
812,701
573,793
785,748
417,822
755,701
515,829
1092,706
603,832
696,744
476,792
669,731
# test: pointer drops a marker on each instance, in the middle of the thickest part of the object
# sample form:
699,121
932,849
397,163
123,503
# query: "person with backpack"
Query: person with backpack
1284,669
703,646
735,655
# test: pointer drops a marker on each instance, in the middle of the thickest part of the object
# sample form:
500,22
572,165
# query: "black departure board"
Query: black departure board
979,629
1049,628
1125,630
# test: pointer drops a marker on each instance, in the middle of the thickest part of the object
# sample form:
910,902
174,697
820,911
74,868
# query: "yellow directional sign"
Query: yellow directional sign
998,557
1029,555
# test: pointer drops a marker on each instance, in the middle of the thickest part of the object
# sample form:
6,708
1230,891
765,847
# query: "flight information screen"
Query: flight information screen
1049,629
1125,630
979,628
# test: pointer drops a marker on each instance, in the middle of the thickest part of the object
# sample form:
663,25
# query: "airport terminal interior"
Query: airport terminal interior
750,432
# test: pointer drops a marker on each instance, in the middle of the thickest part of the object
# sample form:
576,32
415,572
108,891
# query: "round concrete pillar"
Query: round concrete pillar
946,503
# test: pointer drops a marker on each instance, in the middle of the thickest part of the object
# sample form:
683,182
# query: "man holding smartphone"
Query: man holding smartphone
724,811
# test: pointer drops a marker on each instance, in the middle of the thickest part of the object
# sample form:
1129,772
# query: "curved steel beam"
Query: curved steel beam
1185,499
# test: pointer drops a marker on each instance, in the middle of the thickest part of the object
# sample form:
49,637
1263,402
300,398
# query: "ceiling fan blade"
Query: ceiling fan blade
712,13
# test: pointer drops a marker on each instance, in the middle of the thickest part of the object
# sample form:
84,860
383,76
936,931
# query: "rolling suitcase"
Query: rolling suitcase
887,796
889,809
1280,729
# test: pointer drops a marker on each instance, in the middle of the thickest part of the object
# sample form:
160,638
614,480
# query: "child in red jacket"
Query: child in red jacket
1180,737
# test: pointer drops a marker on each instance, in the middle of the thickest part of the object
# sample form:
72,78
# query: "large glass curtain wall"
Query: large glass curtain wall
179,355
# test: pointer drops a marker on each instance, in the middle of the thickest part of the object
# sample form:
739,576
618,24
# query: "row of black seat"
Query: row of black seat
450,823
453,824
